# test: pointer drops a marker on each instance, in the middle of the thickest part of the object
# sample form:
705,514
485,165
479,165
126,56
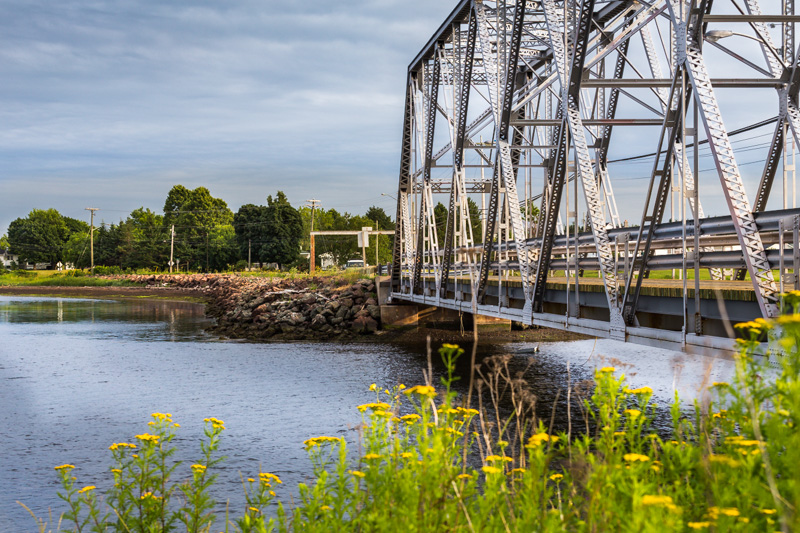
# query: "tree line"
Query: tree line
208,235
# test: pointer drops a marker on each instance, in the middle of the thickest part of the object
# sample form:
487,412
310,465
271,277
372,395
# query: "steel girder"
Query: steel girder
543,100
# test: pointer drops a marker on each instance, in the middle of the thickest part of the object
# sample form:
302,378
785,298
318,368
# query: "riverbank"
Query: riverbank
263,308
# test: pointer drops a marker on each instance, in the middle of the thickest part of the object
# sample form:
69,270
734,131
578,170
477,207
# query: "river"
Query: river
79,374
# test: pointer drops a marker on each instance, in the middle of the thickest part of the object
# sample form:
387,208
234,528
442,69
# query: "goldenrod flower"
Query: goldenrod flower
723,459
422,390
146,437
251,480
539,438
357,473
557,477
374,406
87,488
373,387
318,441
64,467
633,457
372,456
464,476
254,509
720,384
698,525
633,413
267,477
492,470
401,387
199,468
607,369
656,500
216,423
768,511
493,458
406,455
325,508
640,390
410,419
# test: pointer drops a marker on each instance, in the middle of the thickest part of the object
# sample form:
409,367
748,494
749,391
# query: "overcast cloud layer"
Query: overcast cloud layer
110,103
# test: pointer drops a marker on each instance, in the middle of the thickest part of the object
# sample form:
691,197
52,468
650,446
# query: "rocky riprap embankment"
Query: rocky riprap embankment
288,309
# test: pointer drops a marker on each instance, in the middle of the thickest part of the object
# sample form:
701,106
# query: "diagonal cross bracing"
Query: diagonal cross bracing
571,84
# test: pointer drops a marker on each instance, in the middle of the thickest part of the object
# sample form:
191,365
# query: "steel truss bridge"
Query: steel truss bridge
509,114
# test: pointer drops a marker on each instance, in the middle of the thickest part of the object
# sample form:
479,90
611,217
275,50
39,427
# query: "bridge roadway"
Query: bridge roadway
663,309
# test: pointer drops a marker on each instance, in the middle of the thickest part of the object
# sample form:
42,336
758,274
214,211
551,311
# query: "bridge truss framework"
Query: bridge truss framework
518,104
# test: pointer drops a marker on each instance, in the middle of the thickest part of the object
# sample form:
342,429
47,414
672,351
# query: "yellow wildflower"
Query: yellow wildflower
87,488
633,457
698,525
464,476
492,470
373,387
251,480
357,473
406,455
557,477
410,419
401,387
65,467
607,369
254,509
146,437
640,390
633,413
318,441
372,456
729,511
493,458
720,384
216,423
199,468
374,406
649,499
267,477
325,508
116,470
422,390
724,459
467,412
539,438
518,471
768,511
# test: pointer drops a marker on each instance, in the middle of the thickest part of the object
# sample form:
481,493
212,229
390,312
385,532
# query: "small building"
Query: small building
326,261
8,258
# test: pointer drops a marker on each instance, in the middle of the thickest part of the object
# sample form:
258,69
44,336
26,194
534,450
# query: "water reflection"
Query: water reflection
153,319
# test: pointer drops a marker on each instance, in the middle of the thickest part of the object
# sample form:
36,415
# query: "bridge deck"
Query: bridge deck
741,291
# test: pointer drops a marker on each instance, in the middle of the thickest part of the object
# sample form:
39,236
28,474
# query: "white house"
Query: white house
7,258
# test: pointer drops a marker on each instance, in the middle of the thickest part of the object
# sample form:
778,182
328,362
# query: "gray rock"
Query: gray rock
318,322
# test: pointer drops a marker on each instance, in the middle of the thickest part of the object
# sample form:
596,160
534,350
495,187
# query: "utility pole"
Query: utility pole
91,235
171,247
206,251
311,264
249,244
378,236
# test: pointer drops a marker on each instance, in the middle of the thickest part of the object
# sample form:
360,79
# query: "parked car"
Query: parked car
354,263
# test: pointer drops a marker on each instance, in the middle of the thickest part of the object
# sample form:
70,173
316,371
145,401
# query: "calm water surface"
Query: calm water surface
78,374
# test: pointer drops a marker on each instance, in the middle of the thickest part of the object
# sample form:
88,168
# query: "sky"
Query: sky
109,104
